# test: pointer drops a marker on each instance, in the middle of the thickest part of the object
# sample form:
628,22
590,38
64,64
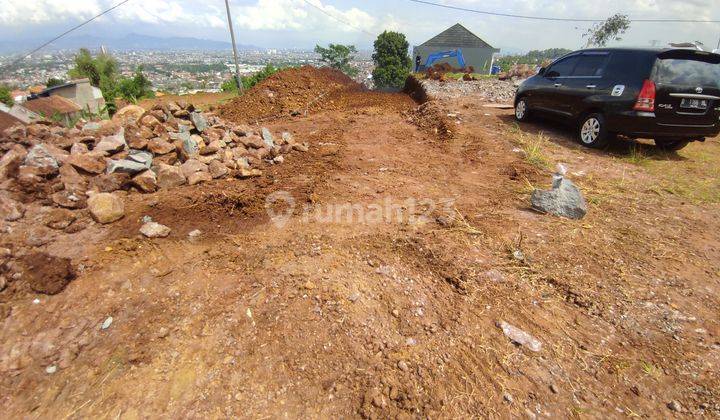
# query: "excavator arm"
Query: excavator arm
446,54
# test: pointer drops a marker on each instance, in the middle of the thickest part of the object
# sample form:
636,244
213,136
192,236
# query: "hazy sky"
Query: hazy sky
296,23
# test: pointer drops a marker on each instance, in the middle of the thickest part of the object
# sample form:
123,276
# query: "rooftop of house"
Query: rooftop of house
71,83
51,105
456,36
7,120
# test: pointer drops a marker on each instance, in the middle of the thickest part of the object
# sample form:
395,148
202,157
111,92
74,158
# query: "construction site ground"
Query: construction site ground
338,317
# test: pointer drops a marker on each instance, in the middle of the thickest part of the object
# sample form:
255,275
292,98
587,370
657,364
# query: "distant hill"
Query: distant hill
129,42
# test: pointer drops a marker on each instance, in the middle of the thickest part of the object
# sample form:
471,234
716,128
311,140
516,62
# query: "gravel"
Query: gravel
491,90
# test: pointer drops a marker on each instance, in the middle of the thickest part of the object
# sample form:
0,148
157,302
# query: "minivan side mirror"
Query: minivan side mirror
541,72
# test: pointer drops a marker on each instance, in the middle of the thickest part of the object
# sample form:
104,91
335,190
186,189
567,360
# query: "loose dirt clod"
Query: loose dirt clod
46,273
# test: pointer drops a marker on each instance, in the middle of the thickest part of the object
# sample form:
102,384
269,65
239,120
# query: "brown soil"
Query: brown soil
46,273
204,100
346,317
303,90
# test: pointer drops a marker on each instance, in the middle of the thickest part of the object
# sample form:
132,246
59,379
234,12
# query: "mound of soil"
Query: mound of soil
432,118
292,91
46,273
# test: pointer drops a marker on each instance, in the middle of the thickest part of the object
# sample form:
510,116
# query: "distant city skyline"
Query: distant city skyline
303,23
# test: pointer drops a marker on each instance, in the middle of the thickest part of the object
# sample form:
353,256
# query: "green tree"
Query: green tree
534,57
610,30
5,96
53,81
338,57
229,85
137,87
102,72
392,62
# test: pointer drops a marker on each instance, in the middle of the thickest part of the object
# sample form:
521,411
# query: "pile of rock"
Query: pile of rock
489,90
520,71
170,145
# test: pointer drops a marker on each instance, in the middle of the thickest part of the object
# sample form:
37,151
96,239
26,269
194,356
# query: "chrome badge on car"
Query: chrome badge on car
698,90
665,106
618,90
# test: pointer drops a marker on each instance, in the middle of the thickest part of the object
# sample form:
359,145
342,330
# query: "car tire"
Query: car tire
592,131
522,112
671,145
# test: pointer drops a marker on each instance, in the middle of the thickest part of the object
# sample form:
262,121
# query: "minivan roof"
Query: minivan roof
653,50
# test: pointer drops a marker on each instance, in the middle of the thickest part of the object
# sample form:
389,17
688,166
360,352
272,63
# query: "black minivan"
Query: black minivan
669,95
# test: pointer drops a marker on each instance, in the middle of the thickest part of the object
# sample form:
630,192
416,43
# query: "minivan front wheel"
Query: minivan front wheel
592,132
522,112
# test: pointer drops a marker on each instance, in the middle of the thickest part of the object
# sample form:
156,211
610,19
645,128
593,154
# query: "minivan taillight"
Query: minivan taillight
646,98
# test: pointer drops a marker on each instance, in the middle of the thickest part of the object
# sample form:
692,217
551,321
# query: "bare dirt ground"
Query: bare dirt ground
329,317
201,100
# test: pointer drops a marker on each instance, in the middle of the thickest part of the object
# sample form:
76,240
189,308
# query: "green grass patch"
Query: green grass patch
533,147
692,174
637,156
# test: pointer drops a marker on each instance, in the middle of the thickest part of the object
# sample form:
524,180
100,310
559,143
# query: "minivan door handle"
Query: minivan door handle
591,86
557,84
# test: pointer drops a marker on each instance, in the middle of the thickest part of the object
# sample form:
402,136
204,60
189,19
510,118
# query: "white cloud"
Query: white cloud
164,12
24,12
311,21
310,15
20,12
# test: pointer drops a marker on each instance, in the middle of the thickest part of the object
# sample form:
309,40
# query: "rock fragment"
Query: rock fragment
154,230
112,144
520,337
564,199
106,207
169,176
146,181
10,210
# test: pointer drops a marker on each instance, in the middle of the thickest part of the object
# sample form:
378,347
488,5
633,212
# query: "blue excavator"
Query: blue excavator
432,58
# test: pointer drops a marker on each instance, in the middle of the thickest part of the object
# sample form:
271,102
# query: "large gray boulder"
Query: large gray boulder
40,157
564,199
198,121
136,162
112,144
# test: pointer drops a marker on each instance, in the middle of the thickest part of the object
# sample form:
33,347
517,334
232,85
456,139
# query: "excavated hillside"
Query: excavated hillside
382,261
304,90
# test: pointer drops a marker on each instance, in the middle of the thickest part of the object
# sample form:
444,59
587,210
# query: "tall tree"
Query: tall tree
338,57
5,96
103,72
136,87
392,62
610,30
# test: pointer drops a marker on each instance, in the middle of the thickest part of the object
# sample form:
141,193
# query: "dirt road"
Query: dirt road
392,316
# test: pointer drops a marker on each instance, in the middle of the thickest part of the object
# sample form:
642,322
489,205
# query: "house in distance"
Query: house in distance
475,52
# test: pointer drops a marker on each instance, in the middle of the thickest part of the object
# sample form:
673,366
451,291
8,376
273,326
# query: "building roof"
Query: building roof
456,36
23,114
51,105
49,90
7,120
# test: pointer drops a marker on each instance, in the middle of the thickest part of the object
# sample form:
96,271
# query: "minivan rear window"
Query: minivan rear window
676,71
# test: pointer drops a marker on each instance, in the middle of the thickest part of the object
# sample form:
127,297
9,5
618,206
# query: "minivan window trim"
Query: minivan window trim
578,54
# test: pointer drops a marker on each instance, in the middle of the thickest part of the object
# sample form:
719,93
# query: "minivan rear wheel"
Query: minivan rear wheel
671,145
592,131
522,112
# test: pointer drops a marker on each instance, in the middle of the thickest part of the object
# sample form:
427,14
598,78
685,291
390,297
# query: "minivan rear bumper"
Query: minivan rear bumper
645,124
